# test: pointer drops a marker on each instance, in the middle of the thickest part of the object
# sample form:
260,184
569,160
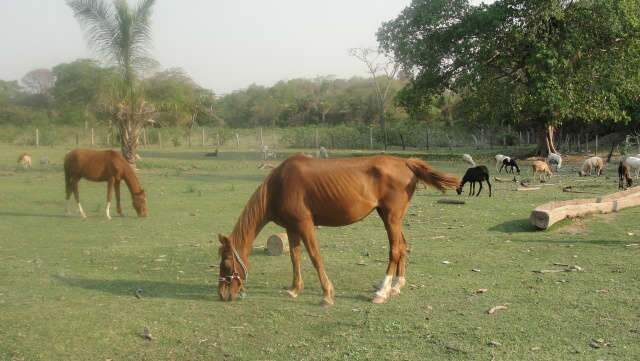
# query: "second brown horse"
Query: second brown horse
303,192
103,166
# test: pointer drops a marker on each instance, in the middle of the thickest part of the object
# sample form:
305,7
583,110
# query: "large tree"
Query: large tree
536,61
122,35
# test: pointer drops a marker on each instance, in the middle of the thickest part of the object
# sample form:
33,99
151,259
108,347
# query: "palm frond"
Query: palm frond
97,18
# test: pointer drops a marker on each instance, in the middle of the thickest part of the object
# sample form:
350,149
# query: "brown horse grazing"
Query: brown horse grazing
25,160
303,192
103,166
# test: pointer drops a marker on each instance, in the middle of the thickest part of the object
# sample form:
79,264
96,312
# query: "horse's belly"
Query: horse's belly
341,215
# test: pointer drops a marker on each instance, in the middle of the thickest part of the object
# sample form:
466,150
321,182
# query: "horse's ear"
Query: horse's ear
224,240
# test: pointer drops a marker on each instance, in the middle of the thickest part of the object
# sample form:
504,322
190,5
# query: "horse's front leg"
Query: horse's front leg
110,182
308,234
295,250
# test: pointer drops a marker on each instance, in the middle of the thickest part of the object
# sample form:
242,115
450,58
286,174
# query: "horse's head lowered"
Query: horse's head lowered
140,203
233,272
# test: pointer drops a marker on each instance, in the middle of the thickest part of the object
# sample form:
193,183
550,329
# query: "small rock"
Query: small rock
535,348
475,270
482,290
446,262
139,293
494,343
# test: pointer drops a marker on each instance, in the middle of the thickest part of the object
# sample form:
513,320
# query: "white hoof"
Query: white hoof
292,294
378,299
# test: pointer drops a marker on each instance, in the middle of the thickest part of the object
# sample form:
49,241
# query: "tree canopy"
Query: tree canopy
537,61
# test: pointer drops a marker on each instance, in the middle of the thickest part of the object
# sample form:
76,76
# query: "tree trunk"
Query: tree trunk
129,144
546,142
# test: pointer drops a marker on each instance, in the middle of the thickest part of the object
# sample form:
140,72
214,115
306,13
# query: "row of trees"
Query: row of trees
515,64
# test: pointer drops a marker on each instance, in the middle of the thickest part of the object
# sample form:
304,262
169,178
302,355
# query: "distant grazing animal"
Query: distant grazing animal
509,164
633,163
304,192
555,159
103,166
467,159
499,159
541,167
477,174
212,154
25,160
623,176
590,164
323,153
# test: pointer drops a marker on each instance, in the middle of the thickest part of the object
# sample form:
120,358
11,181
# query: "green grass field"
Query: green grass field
67,285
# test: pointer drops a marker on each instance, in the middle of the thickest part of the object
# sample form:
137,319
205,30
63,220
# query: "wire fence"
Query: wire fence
417,136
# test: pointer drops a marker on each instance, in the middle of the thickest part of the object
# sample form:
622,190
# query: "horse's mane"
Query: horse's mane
253,217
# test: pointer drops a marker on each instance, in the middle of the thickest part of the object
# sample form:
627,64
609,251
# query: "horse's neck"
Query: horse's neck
131,180
254,217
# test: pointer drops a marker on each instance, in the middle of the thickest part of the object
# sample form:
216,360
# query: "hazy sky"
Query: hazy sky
223,44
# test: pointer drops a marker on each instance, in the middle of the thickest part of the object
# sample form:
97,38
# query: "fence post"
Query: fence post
37,137
426,137
145,141
160,138
261,139
93,140
77,139
317,139
218,138
203,137
237,141
370,137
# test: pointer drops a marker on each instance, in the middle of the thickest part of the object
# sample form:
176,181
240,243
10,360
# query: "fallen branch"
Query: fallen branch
529,189
495,309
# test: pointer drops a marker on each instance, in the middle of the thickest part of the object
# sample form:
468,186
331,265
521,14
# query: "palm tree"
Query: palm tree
122,36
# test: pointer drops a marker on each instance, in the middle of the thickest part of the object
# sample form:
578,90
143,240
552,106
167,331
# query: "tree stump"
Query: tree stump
546,215
277,244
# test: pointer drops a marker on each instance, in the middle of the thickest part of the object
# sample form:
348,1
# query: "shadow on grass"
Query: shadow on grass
514,226
150,289
22,214
601,242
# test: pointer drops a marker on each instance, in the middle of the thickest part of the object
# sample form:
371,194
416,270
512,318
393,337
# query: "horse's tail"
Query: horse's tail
425,173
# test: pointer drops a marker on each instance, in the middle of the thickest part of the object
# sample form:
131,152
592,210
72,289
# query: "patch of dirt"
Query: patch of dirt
577,226
607,217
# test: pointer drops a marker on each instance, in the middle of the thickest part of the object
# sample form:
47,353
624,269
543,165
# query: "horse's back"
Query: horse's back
92,164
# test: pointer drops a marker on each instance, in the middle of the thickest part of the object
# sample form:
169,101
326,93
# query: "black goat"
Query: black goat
475,174
511,163
623,175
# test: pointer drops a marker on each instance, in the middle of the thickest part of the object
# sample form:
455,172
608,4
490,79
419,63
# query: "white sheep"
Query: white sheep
633,163
590,164
555,159
467,159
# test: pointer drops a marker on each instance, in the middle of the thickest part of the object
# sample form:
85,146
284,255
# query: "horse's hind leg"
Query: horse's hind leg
479,190
116,186
397,250
295,248
308,234
76,195
399,280
68,190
